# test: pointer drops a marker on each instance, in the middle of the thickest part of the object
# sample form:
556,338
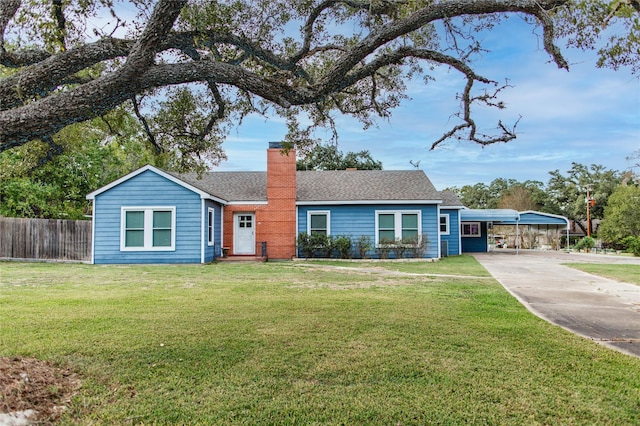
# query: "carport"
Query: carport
477,225
539,220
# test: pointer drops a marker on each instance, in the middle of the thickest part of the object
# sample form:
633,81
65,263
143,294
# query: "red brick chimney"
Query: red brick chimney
279,218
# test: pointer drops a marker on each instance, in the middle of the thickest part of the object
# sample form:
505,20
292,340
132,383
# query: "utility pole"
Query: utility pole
590,203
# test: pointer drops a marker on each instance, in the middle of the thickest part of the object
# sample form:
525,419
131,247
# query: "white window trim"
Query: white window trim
148,227
211,215
397,226
318,212
446,217
478,235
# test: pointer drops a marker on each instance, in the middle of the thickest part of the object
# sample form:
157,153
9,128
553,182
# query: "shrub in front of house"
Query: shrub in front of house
385,247
342,247
315,245
586,244
363,246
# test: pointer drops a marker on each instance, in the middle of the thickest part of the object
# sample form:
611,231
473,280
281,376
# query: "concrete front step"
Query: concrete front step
242,259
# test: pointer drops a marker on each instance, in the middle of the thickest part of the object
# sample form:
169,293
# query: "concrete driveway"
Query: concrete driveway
600,309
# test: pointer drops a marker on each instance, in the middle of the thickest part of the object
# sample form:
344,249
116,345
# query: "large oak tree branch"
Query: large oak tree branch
31,106
435,12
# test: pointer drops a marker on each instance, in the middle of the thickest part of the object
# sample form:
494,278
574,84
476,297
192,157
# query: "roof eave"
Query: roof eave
364,202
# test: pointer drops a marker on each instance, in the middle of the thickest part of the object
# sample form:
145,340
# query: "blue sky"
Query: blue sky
586,115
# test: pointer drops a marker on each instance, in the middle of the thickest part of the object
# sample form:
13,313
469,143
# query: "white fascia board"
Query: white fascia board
246,203
148,167
366,202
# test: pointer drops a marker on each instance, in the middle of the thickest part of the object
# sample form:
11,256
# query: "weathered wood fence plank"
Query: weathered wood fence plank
45,239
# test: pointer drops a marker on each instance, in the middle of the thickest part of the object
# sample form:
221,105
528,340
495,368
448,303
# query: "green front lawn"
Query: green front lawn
625,273
289,343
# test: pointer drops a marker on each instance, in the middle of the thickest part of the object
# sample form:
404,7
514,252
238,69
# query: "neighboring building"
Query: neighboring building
153,216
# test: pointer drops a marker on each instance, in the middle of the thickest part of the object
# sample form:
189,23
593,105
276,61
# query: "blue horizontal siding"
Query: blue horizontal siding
476,244
354,221
212,252
147,189
453,239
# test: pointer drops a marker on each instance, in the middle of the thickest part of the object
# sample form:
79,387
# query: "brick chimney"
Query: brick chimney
279,218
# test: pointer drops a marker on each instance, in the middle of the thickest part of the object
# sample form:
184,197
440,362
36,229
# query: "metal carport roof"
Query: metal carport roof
488,215
512,217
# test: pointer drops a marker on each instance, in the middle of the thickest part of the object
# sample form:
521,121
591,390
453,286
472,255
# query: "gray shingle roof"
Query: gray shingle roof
450,199
230,186
337,186
365,185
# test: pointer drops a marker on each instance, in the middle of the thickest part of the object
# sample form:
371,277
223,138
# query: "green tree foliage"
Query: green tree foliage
503,193
328,157
621,215
475,196
567,193
34,182
610,26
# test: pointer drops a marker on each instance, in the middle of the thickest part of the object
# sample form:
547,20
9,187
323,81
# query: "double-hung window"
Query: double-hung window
392,226
319,222
444,224
148,228
471,229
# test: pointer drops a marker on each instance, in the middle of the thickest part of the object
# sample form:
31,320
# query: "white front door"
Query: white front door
244,237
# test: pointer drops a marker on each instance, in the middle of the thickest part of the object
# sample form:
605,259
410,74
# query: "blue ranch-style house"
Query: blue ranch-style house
154,216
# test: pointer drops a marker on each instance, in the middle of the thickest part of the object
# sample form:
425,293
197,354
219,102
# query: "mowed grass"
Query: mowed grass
619,272
289,343
456,265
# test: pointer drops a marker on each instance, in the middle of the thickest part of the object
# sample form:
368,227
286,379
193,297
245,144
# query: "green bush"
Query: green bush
304,245
586,243
322,245
363,246
632,244
342,247
385,247
314,245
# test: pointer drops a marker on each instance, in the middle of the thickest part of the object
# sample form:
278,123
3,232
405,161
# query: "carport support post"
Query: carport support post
517,237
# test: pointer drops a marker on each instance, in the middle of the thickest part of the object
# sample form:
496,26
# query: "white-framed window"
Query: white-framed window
319,222
210,226
392,226
148,228
471,229
444,224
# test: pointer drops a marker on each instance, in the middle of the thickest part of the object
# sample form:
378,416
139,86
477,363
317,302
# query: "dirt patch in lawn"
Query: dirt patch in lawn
35,389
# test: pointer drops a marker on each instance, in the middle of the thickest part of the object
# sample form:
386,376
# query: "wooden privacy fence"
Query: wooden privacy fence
45,239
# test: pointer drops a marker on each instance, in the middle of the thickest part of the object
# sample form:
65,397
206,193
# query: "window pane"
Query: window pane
134,220
409,235
386,236
409,221
161,219
134,239
162,237
318,221
386,221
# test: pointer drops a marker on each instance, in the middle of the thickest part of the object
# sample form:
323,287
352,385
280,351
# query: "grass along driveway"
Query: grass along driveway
619,272
282,343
